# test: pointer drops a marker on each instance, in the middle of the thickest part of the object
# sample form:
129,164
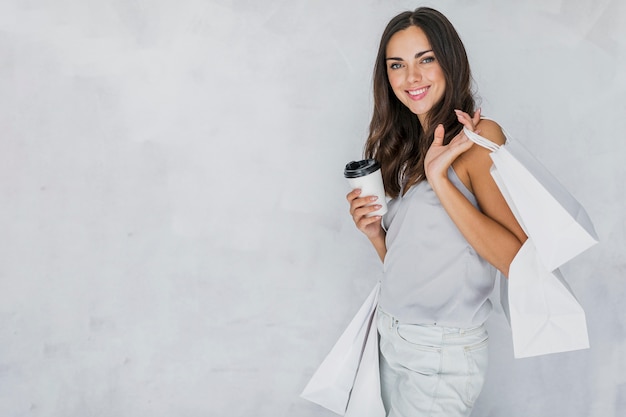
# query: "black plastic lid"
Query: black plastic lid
356,169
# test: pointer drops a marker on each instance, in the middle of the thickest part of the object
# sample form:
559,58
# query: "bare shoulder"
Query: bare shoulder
491,130
473,165
477,157
488,129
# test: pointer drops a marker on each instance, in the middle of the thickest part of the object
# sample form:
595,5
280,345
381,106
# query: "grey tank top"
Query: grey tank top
431,273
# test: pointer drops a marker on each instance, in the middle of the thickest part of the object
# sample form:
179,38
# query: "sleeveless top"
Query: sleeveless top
431,273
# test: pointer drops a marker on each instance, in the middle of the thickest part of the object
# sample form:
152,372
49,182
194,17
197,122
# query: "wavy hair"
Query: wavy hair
396,138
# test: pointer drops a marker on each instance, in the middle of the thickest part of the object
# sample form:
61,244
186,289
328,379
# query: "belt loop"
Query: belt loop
392,320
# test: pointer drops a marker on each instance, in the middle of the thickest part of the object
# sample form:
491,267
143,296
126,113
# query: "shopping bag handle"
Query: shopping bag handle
479,140
482,141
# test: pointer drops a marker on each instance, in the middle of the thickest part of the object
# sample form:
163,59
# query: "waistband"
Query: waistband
431,332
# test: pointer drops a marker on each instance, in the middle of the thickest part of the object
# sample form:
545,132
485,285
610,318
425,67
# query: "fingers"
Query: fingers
439,134
361,207
461,144
476,117
353,194
458,144
365,221
468,121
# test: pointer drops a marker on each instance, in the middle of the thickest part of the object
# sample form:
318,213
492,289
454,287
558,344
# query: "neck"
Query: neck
423,121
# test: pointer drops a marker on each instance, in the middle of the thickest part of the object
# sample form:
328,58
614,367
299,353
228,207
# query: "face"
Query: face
413,71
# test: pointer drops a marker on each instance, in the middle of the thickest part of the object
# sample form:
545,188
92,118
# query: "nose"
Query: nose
414,73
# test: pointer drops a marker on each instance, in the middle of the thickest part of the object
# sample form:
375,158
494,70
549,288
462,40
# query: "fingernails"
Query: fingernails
373,198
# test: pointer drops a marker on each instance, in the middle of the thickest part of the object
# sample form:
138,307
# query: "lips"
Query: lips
418,94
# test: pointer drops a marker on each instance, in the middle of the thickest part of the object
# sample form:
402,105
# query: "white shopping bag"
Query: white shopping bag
365,399
544,315
348,381
548,213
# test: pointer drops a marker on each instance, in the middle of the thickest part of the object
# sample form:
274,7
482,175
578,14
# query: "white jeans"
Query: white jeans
430,371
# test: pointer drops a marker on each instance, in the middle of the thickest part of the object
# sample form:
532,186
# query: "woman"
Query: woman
447,225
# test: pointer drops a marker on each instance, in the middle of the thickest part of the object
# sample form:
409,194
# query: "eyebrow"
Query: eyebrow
417,56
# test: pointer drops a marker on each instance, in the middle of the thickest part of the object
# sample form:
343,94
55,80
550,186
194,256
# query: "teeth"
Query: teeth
418,92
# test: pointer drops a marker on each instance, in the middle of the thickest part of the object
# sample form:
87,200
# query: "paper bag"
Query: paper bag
544,314
348,381
558,224
365,399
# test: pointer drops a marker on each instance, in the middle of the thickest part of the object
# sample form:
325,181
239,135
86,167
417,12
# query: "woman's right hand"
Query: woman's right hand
370,226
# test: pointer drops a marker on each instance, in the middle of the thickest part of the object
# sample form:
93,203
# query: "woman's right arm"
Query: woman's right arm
370,226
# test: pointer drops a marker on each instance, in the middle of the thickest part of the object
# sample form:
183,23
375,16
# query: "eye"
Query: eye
395,65
428,60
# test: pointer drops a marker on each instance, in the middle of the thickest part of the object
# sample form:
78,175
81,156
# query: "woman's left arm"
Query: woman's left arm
492,231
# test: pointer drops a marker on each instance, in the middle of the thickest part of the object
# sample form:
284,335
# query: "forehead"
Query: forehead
409,41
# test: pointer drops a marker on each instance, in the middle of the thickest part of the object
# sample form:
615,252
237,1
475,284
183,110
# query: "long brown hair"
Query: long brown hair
396,138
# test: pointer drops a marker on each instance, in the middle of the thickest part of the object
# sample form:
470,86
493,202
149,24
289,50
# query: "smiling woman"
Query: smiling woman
447,225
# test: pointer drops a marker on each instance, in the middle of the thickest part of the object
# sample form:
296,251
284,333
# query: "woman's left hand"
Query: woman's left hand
439,156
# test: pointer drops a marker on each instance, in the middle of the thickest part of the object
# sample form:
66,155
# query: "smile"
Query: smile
417,92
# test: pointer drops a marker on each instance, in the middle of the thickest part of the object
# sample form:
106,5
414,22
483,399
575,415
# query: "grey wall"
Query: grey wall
174,235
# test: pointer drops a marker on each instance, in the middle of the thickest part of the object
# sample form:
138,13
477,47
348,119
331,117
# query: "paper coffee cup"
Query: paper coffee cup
365,174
